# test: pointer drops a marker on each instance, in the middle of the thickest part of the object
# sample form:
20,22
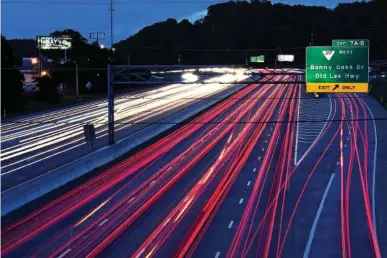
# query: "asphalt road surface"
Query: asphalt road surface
241,180
33,145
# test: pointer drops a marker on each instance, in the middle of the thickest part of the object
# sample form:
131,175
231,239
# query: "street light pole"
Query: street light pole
110,106
110,84
76,81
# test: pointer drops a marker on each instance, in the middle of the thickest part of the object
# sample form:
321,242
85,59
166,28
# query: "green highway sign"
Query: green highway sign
257,59
350,43
337,69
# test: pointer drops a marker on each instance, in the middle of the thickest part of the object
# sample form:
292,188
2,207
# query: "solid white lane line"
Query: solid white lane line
313,230
230,225
374,176
298,119
217,254
241,201
66,252
103,222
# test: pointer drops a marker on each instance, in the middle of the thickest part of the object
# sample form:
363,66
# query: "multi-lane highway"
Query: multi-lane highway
244,179
33,145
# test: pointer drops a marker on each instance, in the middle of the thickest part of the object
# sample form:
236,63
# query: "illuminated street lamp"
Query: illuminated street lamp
102,46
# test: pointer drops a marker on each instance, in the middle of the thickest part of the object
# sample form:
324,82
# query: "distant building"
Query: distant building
30,69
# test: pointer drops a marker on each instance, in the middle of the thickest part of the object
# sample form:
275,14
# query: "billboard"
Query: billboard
285,58
257,59
47,42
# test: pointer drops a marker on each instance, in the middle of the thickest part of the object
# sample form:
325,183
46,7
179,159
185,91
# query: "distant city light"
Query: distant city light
102,46
43,73
34,60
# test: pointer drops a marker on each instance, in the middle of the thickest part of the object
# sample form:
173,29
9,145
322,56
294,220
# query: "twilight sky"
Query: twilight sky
29,18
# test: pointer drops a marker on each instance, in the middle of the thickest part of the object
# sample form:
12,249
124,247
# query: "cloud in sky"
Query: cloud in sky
195,16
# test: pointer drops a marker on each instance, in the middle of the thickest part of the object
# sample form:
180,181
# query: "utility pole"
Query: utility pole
128,59
111,24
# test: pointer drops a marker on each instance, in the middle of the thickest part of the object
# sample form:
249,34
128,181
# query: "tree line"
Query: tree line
236,30
229,34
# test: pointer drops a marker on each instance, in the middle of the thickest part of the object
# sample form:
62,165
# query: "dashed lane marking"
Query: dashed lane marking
103,222
131,199
66,252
